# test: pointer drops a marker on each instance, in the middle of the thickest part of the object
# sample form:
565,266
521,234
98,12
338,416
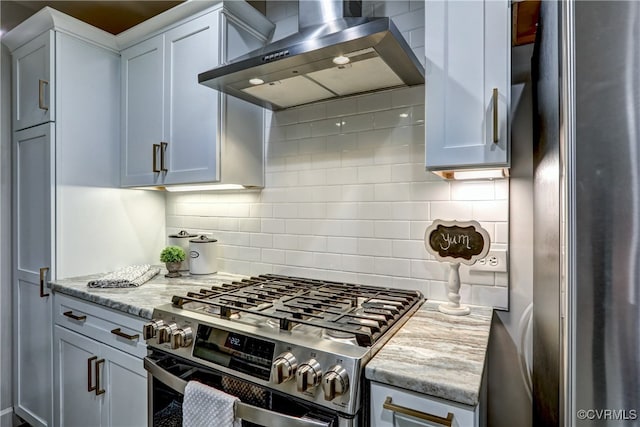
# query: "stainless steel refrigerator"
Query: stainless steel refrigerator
586,345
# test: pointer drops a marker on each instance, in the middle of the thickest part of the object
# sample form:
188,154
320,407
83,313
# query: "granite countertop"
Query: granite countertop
436,354
141,300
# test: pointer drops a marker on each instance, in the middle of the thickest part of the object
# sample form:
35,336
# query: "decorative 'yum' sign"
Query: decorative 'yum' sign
457,241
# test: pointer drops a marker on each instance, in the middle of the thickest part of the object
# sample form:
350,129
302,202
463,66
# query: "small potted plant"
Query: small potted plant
172,256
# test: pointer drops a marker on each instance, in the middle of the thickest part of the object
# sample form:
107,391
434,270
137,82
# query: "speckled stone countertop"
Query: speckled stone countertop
141,300
436,354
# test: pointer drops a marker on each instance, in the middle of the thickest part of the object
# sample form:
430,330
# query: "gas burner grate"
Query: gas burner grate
366,312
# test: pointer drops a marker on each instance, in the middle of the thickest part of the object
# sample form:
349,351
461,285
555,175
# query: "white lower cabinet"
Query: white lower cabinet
392,406
96,384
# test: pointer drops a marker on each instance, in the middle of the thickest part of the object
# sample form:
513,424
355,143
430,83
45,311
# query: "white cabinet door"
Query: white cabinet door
191,109
125,382
467,45
76,360
142,112
33,80
33,177
426,409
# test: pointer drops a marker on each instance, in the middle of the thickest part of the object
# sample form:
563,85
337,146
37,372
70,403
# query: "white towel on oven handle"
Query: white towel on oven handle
205,406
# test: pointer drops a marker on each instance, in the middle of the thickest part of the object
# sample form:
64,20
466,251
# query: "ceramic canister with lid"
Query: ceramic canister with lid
203,255
181,239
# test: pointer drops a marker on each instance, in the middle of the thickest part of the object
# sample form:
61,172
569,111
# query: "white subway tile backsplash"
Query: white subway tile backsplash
374,174
273,256
342,245
374,102
460,211
483,190
272,225
313,112
342,176
375,247
374,210
358,228
285,210
312,177
392,192
356,123
285,241
329,261
312,243
358,263
491,211
347,196
393,266
312,210
247,225
392,229
357,158
393,154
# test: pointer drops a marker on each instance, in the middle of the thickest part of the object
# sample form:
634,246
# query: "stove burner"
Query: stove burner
340,311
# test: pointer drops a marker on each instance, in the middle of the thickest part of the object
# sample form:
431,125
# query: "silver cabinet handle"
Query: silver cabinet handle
119,333
448,422
156,147
70,315
252,414
99,390
43,273
495,115
41,84
163,149
90,386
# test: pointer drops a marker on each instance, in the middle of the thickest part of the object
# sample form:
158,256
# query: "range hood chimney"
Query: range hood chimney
335,53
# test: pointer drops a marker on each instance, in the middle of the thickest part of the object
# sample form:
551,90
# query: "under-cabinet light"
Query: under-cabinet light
206,187
256,81
461,175
341,60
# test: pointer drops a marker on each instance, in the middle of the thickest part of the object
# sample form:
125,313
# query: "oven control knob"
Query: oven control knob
308,375
165,332
181,338
335,382
149,330
283,368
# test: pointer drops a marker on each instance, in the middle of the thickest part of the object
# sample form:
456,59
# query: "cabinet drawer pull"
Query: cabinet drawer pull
418,414
495,115
41,84
99,390
119,333
90,386
43,273
156,147
163,149
74,316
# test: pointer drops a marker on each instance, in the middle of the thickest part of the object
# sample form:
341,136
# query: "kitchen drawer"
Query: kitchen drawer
462,415
100,323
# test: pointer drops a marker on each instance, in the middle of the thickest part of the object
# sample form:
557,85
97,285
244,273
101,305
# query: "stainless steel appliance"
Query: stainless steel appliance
292,349
586,321
335,53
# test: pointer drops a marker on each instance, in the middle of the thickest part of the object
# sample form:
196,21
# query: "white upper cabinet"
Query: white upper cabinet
191,109
468,67
33,82
177,131
142,110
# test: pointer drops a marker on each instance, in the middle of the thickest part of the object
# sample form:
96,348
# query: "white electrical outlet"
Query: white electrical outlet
496,261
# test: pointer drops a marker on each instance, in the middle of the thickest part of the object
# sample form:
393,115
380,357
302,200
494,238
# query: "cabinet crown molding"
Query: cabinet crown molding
47,19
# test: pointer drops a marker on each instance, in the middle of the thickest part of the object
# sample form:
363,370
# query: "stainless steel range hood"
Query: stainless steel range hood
334,54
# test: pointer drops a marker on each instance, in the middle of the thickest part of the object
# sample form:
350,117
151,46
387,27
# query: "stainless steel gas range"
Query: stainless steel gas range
292,349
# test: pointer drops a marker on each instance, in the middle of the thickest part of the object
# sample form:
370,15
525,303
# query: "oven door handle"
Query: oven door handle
243,411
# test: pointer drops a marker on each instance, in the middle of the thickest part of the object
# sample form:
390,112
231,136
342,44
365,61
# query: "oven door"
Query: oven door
258,406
